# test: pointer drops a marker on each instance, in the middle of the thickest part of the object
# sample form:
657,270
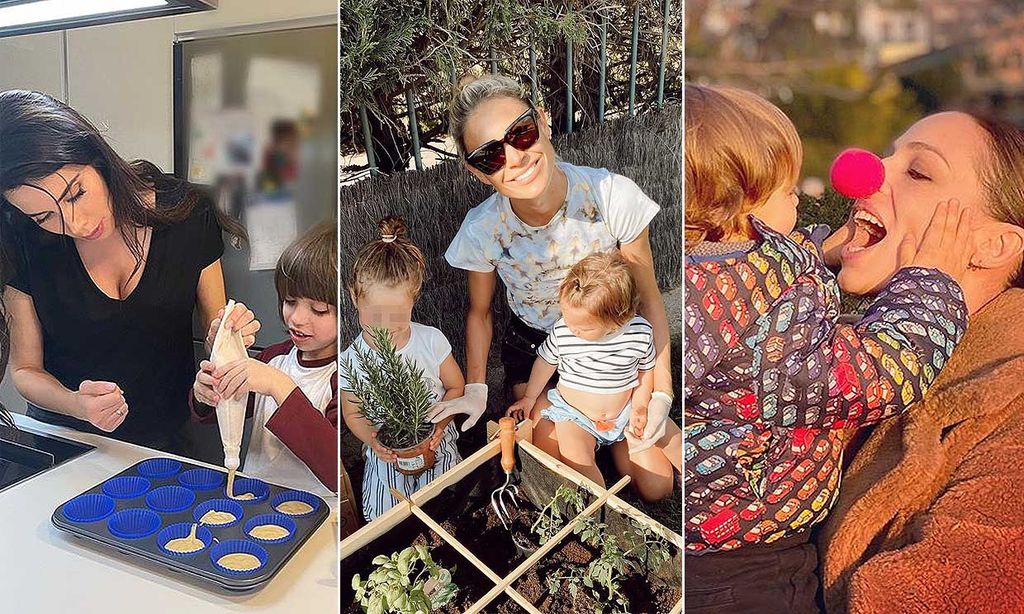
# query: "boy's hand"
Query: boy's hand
203,387
521,408
382,452
241,319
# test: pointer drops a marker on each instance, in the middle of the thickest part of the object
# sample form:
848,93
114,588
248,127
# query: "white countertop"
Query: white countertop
45,570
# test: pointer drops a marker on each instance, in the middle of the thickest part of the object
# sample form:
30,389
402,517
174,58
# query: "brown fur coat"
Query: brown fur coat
930,516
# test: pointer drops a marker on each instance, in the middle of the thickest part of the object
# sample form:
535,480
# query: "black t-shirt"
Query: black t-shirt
142,343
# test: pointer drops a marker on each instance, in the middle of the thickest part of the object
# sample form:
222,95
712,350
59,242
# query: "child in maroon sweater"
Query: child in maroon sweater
294,384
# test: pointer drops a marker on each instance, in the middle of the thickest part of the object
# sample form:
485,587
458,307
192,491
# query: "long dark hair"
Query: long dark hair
39,135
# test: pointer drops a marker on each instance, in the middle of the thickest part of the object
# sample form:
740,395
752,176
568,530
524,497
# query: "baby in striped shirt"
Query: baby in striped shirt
603,353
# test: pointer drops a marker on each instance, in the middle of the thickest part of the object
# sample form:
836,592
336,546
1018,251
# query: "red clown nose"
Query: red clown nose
857,173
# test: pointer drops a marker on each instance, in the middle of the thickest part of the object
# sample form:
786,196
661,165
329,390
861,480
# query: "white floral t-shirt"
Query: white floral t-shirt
602,210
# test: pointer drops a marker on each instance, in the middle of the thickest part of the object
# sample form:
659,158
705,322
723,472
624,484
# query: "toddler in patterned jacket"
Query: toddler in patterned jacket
772,378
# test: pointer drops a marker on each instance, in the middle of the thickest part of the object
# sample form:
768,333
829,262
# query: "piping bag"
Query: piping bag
228,347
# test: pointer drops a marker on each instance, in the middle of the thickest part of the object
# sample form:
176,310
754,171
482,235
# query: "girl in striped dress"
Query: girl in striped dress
385,282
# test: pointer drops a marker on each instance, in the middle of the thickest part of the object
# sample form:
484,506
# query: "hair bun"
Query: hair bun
392,228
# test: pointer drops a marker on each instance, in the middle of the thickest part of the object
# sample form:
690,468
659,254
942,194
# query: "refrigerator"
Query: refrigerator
256,122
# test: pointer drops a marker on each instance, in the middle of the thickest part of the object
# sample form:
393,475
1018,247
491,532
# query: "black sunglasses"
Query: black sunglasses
489,158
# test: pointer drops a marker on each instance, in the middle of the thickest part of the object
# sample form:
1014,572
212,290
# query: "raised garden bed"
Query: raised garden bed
454,518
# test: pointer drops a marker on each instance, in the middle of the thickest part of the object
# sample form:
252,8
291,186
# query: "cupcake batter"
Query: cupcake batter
215,518
294,508
186,545
268,531
231,489
239,561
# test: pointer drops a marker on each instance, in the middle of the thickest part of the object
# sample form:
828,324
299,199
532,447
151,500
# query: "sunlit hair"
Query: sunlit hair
603,286
1003,178
392,260
473,90
739,149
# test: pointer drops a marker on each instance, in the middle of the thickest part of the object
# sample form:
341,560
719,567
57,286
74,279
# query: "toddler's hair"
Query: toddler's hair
739,148
392,260
602,284
308,268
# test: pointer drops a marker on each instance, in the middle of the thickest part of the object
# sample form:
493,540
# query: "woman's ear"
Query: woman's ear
999,246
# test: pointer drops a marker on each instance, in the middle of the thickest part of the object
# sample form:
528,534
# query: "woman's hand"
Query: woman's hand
948,243
473,402
384,453
204,386
102,404
241,319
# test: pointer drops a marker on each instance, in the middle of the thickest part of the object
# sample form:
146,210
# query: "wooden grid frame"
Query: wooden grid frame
411,506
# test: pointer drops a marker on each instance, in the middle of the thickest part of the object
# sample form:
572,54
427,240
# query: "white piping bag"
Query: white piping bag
228,347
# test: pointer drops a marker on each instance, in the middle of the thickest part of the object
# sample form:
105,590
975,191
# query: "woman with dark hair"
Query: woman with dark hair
929,517
107,261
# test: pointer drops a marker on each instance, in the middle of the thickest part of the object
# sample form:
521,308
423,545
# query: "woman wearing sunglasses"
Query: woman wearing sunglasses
104,263
546,216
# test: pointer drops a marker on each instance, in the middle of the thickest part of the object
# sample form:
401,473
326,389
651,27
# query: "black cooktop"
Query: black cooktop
24,454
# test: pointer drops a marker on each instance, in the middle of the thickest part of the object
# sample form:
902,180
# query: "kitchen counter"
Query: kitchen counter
43,569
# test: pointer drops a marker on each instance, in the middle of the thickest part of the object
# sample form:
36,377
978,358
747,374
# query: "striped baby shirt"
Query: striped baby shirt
605,366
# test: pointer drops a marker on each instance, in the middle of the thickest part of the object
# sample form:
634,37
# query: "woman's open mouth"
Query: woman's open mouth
869,231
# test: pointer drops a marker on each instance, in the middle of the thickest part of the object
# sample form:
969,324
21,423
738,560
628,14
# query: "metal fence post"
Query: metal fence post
664,56
414,130
371,160
568,86
533,73
632,60
602,68
494,61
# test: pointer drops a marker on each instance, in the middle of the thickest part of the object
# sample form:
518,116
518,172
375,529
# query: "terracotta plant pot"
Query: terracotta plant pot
414,460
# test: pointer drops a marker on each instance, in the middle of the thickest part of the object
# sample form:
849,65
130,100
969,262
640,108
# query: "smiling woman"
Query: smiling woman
545,217
108,260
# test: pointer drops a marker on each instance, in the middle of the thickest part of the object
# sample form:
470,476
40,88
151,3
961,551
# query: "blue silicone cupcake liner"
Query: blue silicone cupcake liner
126,487
159,468
133,523
280,520
259,488
221,505
238,546
201,479
88,508
296,495
169,499
182,529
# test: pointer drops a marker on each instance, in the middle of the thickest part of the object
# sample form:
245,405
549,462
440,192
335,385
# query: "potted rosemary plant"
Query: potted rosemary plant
394,396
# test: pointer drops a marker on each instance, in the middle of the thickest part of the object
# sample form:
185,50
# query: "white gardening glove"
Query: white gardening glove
657,418
473,402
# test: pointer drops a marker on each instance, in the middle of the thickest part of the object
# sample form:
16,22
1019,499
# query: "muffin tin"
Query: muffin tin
154,501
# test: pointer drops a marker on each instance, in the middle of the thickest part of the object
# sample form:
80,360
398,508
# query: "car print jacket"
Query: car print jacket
773,380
